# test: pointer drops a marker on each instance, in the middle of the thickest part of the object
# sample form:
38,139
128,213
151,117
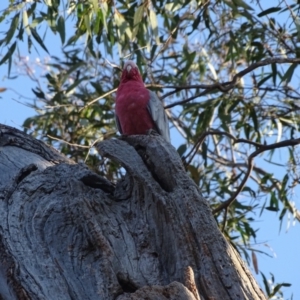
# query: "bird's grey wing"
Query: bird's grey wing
118,124
159,116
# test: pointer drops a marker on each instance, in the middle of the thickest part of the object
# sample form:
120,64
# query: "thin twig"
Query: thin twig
98,98
188,99
70,144
90,147
113,65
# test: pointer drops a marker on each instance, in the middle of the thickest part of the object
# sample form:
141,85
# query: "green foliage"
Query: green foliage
272,289
189,52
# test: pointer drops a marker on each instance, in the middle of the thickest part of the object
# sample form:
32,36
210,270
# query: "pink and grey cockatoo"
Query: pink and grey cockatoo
138,110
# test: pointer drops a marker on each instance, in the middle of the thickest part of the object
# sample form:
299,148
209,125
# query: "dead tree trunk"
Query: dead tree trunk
67,233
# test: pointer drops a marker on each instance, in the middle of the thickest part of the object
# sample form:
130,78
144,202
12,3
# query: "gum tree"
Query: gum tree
225,71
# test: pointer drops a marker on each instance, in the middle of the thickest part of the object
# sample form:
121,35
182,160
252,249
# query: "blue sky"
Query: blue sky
283,245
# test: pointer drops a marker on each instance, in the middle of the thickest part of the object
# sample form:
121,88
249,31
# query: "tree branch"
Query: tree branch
226,86
261,149
215,132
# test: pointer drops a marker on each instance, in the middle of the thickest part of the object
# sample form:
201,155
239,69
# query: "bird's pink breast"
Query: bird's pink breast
131,108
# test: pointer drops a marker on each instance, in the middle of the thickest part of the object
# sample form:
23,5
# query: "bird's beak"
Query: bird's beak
128,68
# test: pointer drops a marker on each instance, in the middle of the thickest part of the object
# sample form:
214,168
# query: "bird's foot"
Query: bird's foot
152,132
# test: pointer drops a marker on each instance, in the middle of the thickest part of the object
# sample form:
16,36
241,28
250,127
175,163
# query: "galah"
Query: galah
138,110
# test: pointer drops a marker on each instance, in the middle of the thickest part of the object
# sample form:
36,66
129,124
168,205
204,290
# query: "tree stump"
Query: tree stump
67,233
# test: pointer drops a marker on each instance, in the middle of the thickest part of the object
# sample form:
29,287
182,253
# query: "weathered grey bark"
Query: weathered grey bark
67,233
